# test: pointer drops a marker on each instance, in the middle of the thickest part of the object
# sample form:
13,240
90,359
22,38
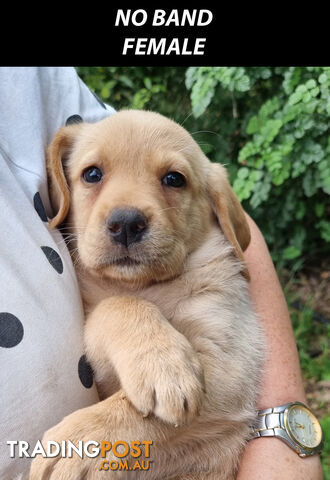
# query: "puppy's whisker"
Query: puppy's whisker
205,131
69,229
202,144
183,149
66,241
188,116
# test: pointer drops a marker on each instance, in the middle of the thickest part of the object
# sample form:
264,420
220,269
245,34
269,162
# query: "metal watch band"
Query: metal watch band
270,422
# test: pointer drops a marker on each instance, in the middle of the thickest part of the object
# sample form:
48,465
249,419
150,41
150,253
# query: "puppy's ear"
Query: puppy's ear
57,154
229,211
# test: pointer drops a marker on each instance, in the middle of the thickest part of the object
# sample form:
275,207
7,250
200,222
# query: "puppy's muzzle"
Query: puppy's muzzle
127,226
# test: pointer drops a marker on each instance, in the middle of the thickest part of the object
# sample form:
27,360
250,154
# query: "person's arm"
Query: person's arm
270,458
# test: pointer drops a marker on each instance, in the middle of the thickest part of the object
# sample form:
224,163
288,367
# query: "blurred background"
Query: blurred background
270,127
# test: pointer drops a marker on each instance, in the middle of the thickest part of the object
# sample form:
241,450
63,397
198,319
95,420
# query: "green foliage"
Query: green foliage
325,424
268,125
312,340
282,171
151,88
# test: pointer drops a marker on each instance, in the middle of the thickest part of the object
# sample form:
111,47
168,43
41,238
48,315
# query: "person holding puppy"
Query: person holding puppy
46,375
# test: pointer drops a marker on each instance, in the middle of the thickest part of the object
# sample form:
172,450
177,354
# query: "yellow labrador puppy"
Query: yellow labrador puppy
170,332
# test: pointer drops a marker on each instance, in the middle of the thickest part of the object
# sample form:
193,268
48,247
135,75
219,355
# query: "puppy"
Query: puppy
158,238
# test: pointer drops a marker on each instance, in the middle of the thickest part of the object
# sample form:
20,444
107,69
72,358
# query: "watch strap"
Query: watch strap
269,422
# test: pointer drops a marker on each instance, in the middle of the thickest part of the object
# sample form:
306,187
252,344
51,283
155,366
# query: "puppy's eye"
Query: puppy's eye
92,175
174,179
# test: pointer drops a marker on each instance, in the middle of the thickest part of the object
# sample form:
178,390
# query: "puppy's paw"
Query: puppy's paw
168,383
88,424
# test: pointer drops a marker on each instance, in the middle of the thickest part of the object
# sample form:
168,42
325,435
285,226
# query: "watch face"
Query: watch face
303,426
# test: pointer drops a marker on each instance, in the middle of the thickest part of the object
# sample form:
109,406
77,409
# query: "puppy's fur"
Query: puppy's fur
170,333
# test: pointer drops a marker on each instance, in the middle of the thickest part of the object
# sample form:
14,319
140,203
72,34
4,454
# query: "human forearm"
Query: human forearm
269,458
281,381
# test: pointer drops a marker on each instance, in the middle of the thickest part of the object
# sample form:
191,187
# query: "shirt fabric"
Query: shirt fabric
43,372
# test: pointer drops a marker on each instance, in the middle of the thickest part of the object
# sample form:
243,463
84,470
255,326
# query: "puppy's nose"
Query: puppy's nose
127,226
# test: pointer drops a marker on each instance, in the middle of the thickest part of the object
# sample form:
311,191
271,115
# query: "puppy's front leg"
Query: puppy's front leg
114,419
156,365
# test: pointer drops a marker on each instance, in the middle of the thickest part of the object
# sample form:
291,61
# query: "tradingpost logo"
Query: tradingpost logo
121,455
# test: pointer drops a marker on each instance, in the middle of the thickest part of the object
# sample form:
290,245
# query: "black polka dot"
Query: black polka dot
74,119
85,372
53,258
11,330
39,206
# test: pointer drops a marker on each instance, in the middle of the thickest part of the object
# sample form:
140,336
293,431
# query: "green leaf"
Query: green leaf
298,168
325,181
310,107
295,98
256,175
300,211
202,92
270,130
301,89
253,125
191,73
268,108
260,192
311,84
291,252
323,78
319,209
281,174
126,81
105,92
243,173
324,227
306,97
148,83
291,79
315,91
243,84
247,151
309,184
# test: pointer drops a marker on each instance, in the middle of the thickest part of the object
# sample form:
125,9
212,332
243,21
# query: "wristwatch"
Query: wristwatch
293,423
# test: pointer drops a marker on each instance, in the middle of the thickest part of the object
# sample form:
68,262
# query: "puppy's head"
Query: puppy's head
140,195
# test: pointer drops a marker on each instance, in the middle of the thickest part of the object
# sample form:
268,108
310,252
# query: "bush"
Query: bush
269,125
